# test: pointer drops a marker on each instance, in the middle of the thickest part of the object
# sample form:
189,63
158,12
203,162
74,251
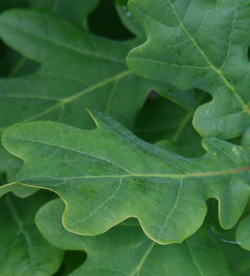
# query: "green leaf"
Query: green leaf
237,257
23,251
128,20
126,242
77,70
243,233
199,44
245,141
93,77
14,64
105,22
8,163
170,126
9,166
71,261
75,12
107,175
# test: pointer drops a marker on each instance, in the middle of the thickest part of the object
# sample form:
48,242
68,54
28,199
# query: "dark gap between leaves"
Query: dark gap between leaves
71,261
102,21
13,64
3,178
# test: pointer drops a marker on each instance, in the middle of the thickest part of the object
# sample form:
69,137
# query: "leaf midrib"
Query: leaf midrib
178,176
76,96
21,230
131,174
193,258
218,71
143,259
211,66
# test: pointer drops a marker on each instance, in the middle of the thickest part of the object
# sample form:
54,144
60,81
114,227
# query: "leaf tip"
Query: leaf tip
95,116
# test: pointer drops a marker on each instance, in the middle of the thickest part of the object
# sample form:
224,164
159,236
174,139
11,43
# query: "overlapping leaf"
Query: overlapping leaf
170,126
77,70
197,44
14,65
107,175
139,255
75,12
243,233
237,257
128,20
75,67
23,251
245,141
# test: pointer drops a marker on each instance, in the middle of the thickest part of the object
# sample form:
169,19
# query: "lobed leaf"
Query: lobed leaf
75,12
236,256
242,234
197,44
128,20
59,92
77,70
23,251
139,255
14,64
107,175
170,126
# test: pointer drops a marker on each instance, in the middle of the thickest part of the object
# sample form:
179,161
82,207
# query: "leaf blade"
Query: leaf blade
194,52
127,241
23,249
107,187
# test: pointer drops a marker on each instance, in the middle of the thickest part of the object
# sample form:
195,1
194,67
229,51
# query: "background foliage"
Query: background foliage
139,164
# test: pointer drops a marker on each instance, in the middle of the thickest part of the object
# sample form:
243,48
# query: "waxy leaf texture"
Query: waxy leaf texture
199,44
107,175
